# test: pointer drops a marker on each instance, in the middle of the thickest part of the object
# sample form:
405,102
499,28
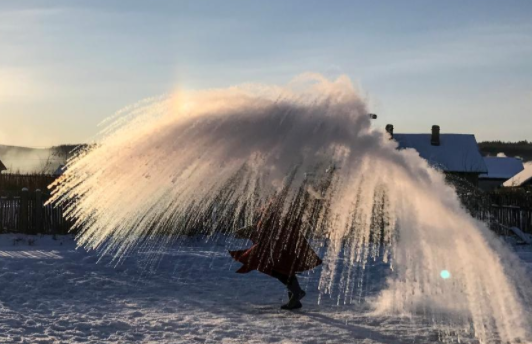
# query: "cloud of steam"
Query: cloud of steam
208,159
29,160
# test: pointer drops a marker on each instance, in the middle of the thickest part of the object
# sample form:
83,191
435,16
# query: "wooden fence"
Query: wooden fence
13,182
26,213
512,207
518,197
511,216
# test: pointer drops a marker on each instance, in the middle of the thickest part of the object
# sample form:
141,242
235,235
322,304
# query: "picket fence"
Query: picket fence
25,212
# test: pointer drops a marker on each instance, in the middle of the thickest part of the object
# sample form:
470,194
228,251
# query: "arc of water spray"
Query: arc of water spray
205,161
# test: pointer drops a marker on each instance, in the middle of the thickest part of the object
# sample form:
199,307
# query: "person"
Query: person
279,250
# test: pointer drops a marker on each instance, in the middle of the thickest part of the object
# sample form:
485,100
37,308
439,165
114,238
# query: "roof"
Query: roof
502,168
2,167
521,178
456,152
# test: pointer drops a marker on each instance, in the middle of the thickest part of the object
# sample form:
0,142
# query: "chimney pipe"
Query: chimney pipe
389,130
435,139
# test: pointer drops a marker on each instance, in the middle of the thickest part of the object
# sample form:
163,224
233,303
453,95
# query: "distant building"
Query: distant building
2,167
454,154
500,169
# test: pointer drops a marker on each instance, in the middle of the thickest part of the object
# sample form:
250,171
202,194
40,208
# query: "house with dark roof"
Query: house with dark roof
500,169
2,167
454,154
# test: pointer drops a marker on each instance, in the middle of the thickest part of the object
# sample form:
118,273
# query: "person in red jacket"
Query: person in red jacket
279,249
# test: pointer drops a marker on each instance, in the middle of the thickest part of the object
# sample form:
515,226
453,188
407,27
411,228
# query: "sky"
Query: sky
67,65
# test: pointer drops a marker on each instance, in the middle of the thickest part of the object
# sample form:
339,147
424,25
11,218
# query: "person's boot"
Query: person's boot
295,295
294,302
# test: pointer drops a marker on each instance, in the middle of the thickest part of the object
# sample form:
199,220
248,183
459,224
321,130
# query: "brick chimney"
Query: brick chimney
435,138
389,130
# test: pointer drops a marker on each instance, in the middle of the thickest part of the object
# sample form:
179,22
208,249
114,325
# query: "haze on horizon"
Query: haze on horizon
67,65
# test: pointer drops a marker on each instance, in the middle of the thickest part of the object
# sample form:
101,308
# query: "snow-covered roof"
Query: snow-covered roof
521,178
502,168
456,152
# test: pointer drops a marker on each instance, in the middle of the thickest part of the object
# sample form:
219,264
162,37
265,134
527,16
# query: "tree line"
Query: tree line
521,149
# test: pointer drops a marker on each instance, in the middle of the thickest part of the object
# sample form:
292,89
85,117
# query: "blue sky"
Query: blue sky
66,65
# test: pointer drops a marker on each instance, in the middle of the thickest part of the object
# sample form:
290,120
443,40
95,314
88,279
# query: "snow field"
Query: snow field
52,293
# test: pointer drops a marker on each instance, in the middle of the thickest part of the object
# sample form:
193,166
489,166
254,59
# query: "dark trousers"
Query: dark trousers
291,282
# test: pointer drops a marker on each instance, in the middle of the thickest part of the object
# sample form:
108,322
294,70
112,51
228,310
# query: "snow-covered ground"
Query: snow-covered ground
52,293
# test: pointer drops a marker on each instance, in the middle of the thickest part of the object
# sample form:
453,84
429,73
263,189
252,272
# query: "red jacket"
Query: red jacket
278,246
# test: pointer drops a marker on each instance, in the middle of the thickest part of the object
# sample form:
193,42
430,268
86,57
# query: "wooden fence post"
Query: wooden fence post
2,203
521,220
23,211
38,218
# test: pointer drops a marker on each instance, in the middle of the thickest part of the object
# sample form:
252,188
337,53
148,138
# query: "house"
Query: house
2,167
455,154
522,179
500,169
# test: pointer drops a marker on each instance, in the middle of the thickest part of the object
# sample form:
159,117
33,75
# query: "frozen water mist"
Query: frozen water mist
206,162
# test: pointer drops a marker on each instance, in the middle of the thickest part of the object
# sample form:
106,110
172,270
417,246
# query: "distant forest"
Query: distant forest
521,149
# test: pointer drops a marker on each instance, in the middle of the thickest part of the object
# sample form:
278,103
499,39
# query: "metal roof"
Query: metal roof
502,167
456,152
